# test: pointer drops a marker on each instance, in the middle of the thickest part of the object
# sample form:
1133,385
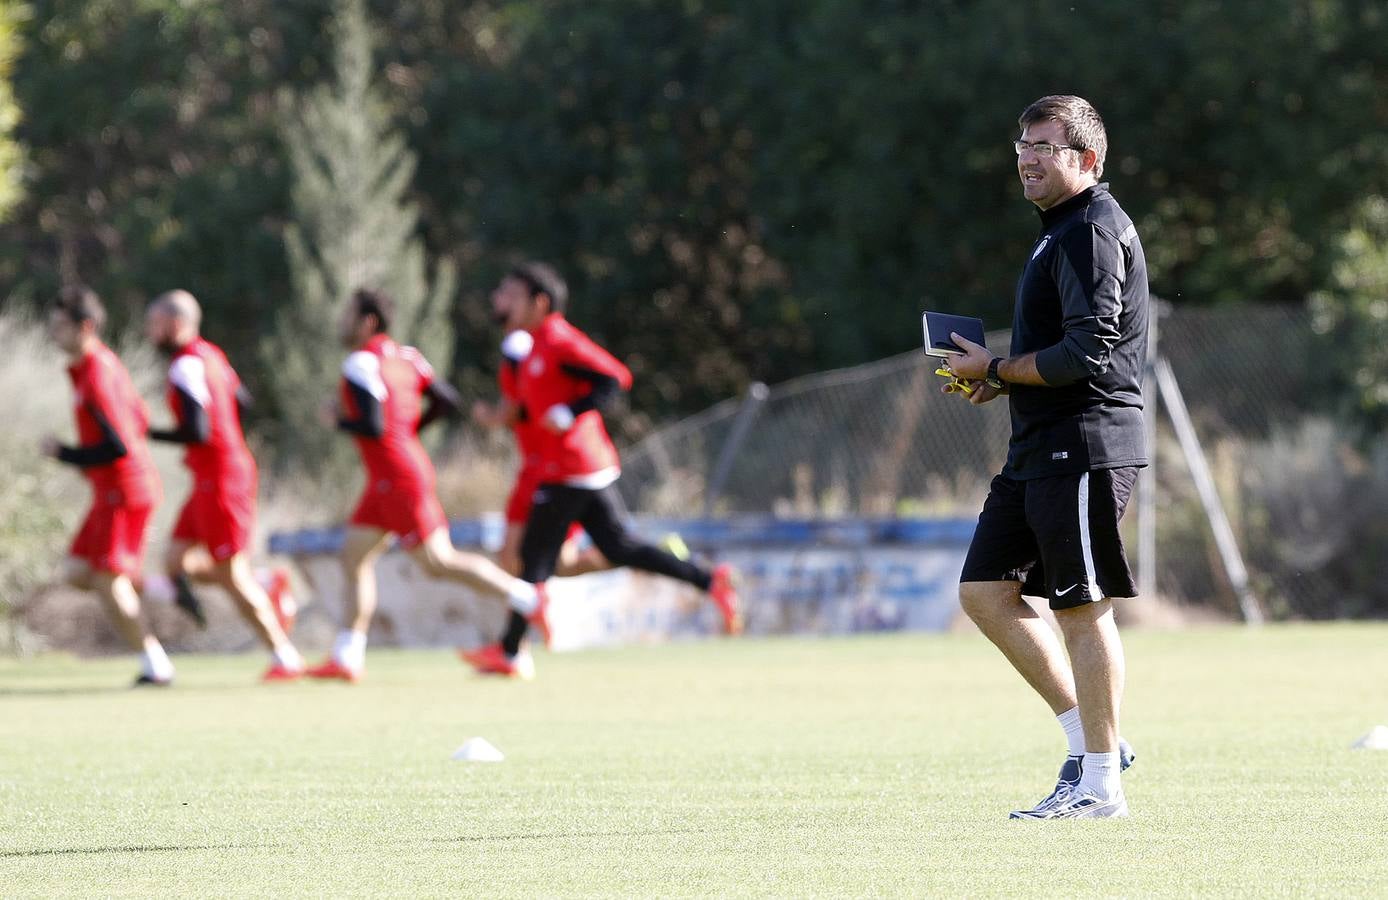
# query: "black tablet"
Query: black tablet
939,326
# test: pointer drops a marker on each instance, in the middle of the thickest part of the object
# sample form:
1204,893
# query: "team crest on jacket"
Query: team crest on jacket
1041,246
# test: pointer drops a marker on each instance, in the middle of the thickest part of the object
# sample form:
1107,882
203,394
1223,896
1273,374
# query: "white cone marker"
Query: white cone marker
478,749
1376,739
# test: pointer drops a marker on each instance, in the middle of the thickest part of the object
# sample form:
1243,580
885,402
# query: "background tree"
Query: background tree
352,227
11,153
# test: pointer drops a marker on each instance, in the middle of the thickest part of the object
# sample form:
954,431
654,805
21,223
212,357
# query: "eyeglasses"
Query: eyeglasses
1040,148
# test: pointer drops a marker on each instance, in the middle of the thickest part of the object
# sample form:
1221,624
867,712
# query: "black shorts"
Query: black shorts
1058,536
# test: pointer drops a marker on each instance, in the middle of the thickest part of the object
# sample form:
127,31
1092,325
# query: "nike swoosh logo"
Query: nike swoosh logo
1066,591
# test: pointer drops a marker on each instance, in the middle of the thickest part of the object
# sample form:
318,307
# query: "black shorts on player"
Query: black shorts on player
1057,535
557,506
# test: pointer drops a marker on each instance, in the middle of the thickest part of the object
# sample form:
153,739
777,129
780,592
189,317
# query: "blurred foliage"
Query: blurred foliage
351,228
12,161
1351,312
736,190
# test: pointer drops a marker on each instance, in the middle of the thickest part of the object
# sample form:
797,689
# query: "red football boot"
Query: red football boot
277,672
331,669
724,595
281,600
492,660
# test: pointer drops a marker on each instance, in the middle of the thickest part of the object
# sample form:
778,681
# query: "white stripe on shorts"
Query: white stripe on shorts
1086,545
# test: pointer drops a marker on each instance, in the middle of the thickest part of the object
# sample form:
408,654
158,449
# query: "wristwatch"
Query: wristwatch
992,379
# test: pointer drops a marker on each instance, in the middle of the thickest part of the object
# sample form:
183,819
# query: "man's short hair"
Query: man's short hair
542,278
1084,128
81,304
372,302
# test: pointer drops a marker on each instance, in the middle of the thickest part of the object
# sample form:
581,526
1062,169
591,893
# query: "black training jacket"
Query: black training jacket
1082,308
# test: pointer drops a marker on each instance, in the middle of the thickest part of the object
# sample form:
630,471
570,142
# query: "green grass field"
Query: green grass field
867,766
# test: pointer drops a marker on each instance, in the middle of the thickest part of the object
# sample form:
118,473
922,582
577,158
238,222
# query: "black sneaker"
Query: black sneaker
150,681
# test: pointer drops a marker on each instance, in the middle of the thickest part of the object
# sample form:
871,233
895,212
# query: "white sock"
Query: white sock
1074,730
1101,775
154,662
523,597
285,655
350,650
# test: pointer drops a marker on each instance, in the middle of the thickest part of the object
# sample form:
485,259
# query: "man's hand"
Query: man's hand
983,393
972,364
49,446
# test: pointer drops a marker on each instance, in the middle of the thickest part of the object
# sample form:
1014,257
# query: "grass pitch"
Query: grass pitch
864,766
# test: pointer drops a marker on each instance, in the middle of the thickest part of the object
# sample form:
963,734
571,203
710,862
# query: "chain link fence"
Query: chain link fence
1301,489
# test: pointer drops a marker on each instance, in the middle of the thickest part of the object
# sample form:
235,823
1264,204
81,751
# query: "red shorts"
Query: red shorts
408,513
219,518
112,538
523,495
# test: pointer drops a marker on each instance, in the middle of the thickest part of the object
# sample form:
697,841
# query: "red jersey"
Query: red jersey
397,376
104,393
542,382
201,371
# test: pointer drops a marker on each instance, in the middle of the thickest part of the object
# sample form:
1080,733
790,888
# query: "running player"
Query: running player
213,530
381,406
562,386
111,451
573,559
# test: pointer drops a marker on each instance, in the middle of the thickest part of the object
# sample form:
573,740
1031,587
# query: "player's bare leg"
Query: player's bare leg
1023,637
185,562
575,559
437,556
234,576
122,603
361,548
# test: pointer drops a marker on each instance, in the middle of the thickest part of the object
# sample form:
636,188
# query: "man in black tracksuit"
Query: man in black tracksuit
1049,527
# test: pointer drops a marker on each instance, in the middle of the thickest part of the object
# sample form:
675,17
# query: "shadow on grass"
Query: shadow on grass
132,848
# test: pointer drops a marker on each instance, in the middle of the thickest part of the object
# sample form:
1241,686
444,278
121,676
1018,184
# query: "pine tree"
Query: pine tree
352,228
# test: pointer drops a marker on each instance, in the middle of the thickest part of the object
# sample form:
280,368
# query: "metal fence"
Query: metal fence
880,440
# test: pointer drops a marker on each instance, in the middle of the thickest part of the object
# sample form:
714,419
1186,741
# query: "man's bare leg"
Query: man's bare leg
1096,654
1023,637
1096,658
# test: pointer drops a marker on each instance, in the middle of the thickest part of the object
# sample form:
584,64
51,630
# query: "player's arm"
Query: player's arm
606,376
1088,268
370,420
362,375
605,388
194,425
444,401
109,449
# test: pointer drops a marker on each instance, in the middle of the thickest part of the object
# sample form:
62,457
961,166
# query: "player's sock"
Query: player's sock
523,597
516,628
1074,730
1101,775
154,662
350,650
286,656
